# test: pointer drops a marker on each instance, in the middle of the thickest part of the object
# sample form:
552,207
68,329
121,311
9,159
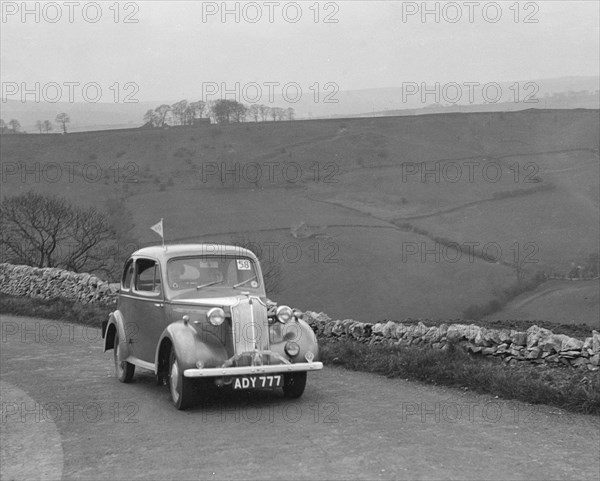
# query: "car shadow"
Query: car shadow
207,396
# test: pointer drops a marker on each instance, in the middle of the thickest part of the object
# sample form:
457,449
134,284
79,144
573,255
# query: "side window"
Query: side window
147,278
127,275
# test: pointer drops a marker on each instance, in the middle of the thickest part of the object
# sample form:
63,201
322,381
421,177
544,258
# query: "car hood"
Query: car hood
191,298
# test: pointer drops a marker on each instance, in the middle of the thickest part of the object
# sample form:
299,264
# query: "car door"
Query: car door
148,308
126,305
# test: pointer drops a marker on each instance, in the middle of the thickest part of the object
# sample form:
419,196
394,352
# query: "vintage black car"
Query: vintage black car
197,315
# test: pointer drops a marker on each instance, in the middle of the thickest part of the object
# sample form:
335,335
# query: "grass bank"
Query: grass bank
59,309
571,389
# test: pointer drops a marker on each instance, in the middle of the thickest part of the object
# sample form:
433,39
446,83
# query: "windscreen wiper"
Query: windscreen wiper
208,284
244,282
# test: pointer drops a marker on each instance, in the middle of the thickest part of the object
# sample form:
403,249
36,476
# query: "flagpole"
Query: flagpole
158,228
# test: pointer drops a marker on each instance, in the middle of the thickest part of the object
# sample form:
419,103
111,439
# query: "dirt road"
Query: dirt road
64,416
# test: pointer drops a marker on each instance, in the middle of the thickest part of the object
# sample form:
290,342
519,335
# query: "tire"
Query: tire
123,369
180,387
294,384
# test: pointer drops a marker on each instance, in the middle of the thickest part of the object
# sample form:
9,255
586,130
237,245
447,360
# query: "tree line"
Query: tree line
13,126
222,111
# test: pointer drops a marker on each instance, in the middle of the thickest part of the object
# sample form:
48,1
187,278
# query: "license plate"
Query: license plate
255,382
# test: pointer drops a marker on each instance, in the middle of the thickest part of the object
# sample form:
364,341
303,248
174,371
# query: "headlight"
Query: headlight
292,349
284,314
216,316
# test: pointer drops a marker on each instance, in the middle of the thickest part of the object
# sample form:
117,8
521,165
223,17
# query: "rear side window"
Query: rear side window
127,275
147,279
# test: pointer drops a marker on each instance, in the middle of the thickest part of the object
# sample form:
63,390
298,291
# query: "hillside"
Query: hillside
565,302
363,189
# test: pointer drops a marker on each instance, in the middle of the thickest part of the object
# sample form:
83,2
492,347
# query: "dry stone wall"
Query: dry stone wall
536,345
52,283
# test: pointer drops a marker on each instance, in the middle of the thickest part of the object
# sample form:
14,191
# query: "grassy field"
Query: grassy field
549,230
560,301
352,182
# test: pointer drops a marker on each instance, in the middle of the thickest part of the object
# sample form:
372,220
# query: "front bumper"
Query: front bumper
244,370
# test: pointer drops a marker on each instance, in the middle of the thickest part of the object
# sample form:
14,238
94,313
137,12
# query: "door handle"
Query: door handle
158,304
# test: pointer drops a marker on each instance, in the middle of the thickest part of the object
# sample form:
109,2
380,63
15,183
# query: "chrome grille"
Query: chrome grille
250,326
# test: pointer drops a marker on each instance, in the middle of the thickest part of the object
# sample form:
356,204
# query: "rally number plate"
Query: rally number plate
255,382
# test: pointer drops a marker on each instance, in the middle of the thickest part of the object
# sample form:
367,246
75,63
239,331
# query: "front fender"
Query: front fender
190,347
307,341
115,324
300,332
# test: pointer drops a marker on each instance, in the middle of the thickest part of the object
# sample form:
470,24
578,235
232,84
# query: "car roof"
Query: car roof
170,251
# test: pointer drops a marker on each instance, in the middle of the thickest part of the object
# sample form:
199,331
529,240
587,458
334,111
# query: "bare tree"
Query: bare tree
3,127
188,115
63,119
151,118
48,126
90,231
39,125
274,112
178,109
32,228
14,125
210,110
254,112
264,112
281,113
290,112
46,231
161,112
239,111
198,108
225,111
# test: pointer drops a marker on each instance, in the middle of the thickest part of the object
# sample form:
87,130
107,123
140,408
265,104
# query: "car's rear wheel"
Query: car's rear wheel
181,387
294,384
123,369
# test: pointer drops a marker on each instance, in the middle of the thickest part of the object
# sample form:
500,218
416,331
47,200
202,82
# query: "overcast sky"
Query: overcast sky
176,46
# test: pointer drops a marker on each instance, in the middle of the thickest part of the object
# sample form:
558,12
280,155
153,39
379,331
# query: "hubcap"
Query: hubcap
174,381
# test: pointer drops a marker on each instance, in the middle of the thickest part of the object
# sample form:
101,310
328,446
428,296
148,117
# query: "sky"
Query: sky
166,50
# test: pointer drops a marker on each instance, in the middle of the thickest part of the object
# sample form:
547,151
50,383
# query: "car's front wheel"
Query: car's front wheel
181,387
123,369
294,384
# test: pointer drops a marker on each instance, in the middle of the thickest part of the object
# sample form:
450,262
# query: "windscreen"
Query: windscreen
212,271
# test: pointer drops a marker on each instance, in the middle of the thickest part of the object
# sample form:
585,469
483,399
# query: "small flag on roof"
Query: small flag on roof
158,228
